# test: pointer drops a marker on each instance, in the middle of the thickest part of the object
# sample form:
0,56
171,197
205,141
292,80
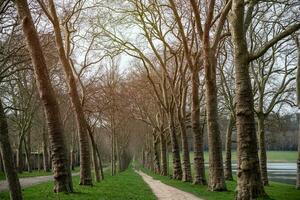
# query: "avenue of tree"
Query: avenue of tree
101,83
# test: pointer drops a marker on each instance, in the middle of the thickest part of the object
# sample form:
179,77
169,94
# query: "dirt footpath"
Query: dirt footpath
163,191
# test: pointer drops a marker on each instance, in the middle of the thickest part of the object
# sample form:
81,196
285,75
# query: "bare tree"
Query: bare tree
85,164
210,40
269,93
249,177
7,158
60,162
298,115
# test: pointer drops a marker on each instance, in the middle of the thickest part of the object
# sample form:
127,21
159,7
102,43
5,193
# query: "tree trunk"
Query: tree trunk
20,161
28,157
186,164
96,166
143,158
100,164
113,153
262,150
249,185
85,164
163,154
168,158
177,171
197,132
216,172
1,165
97,151
228,169
7,158
59,153
298,161
118,155
73,159
28,146
45,152
156,157
298,114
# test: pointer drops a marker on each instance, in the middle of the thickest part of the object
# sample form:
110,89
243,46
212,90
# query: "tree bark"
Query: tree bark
113,153
96,166
216,172
72,158
228,169
96,150
28,147
156,157
85,164
27,154
1,165
59,153
20,162
249,185
197,133
95,159
262,149
298,161
7,158
45,152
298,114
177,171
100,165
186,164
163,154
117,155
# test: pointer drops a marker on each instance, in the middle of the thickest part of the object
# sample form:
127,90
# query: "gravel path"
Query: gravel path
30,181
163,191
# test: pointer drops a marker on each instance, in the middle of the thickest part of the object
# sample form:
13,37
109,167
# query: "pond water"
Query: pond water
280,172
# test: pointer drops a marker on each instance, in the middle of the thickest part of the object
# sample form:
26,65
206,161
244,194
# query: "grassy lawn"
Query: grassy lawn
33,173
125,185
276,191
273,156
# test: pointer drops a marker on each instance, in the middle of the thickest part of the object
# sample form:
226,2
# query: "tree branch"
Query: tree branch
291,29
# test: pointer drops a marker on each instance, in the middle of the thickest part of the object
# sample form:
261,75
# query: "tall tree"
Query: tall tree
194,64
59,153
7,158
85,164
210,40
298,114
265,70
249,177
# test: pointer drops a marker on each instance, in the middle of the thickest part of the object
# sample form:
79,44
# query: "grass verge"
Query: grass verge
33,174
276,191
273,156
125,185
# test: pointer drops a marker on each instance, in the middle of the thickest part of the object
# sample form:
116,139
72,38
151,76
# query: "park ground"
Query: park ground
129,185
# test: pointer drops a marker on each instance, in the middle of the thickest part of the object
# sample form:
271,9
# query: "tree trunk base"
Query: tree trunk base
88,182
217,187
200,182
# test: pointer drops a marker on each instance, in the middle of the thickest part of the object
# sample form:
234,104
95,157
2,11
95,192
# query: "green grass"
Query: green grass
276,191
273,156
125,185
33,174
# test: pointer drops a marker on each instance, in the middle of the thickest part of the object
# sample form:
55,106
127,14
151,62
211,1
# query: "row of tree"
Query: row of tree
185,63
